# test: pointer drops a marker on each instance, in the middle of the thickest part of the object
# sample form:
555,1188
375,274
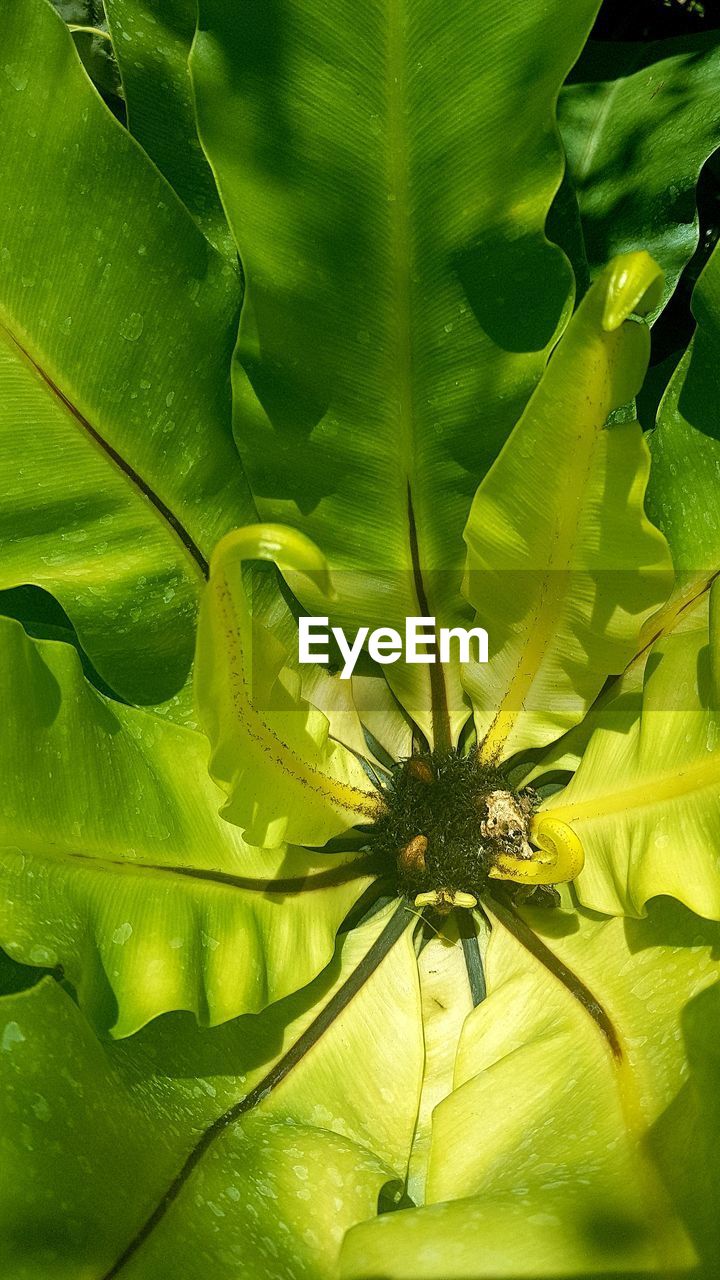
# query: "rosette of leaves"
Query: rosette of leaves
254,1052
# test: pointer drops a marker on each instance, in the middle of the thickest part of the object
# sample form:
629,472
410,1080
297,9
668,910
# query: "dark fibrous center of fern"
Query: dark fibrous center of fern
448,819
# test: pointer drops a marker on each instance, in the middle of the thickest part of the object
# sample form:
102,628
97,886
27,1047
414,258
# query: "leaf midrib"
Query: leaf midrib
401,235
277,1073
403,259
660,790
329,877
665,621
596,132
137,482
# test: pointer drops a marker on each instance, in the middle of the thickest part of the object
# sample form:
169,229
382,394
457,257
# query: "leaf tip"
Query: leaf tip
634,286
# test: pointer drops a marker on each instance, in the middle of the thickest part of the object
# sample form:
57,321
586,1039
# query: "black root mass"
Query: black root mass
447,821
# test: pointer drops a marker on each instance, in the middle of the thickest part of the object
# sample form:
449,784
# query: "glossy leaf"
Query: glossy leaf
44,619
391,249
686,443
684,1140
446,1002
403,299
645,802
277,1190
685,447
115,322
286,779
540,1165
618,706
115,865
152,44
563,567
638,122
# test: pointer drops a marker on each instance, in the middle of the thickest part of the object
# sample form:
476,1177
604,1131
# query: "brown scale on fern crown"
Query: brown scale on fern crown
448,819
